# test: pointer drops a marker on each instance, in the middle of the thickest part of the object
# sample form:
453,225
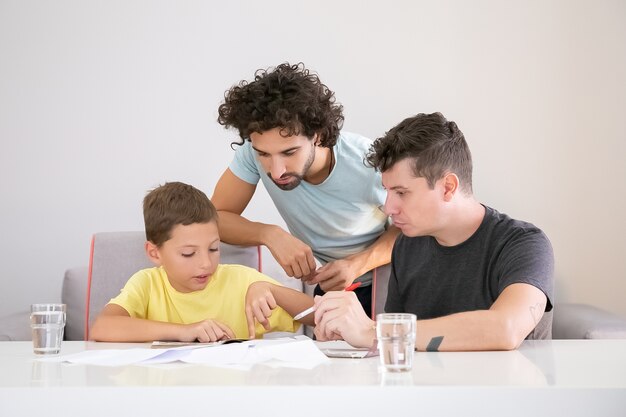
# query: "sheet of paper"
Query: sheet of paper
109,357
296,351
161,344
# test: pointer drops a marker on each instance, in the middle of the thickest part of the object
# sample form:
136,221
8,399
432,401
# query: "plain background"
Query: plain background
101,101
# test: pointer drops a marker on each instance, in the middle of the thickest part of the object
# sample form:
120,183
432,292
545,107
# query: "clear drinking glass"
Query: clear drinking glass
396,340
47,322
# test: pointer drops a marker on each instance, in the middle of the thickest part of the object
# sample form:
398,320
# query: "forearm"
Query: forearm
467,331
237,230
514,314
130,329
378,253
293,302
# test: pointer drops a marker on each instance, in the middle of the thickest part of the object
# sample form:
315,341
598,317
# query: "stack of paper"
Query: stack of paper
295,352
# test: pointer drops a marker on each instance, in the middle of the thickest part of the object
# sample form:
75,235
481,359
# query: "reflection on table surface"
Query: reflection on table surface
566,363
563,377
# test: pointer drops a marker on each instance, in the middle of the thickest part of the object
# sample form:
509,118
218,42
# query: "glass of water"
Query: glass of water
396,340
47,322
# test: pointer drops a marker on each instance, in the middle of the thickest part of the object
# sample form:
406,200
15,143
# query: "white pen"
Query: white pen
304,313
312,308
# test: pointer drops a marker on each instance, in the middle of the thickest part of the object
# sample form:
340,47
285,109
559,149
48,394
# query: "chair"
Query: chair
380,283
583,321
115,256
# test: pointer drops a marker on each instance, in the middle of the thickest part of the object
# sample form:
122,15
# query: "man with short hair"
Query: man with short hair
476,278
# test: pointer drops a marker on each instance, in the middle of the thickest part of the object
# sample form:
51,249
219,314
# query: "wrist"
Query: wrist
359,263
369,335
176,332
267,233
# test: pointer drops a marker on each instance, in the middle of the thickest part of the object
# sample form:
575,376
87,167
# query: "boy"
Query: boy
189,296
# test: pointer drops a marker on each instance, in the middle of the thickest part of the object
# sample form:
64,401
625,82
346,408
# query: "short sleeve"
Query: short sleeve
244,164
528,258
134,296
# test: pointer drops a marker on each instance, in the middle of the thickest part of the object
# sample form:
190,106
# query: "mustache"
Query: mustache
285,175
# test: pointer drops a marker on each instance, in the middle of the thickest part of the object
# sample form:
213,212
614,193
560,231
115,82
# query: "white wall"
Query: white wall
102,100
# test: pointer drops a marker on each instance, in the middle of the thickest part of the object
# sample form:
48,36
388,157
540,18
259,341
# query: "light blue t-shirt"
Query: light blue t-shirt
339,217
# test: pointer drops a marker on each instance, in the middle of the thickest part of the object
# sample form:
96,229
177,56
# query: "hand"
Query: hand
339,315
206,331
334,276
259,305
293,255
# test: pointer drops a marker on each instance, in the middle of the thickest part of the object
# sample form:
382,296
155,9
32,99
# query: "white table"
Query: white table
556,378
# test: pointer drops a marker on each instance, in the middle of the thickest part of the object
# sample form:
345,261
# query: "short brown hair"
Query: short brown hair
171,204
436,145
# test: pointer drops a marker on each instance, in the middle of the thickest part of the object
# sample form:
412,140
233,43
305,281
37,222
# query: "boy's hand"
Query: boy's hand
206,331
259,305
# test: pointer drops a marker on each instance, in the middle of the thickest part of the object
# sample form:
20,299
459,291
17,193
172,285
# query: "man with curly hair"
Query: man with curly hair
290,138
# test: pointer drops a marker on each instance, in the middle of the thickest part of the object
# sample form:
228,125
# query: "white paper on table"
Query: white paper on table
298,352
109,357
168,356
293,352
302,354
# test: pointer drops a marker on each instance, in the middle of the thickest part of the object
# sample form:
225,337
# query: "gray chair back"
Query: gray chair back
380,283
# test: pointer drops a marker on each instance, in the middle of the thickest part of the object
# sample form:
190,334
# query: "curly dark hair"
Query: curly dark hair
290,98
435,144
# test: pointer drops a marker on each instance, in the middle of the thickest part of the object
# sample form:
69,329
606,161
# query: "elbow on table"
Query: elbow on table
509,335
94,336
97,333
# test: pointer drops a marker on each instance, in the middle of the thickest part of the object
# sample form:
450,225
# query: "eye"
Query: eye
188,255
214,249
289,153
261,154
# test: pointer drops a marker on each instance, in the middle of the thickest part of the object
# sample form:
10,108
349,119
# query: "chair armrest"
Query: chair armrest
581,321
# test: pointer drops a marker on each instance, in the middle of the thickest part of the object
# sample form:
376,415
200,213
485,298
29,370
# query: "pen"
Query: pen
312,308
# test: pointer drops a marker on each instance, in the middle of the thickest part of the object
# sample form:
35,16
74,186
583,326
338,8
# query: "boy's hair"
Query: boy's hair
436,145
171,204
288,97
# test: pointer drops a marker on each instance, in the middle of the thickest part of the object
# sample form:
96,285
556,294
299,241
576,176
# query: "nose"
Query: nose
390,208
277,168
205,261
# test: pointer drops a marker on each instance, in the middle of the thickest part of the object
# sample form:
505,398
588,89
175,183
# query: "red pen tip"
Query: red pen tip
352,287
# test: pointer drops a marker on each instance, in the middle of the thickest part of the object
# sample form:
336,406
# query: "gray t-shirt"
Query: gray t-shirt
431,280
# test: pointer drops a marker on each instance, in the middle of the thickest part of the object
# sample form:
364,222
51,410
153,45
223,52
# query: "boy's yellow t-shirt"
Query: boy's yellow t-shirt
149,295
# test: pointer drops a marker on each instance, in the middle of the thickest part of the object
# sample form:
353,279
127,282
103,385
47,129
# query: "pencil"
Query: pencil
312,308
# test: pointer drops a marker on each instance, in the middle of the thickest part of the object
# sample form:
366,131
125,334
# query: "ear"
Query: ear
152,251
450,186
316,139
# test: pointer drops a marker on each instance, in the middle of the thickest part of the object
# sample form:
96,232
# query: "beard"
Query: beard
296,178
